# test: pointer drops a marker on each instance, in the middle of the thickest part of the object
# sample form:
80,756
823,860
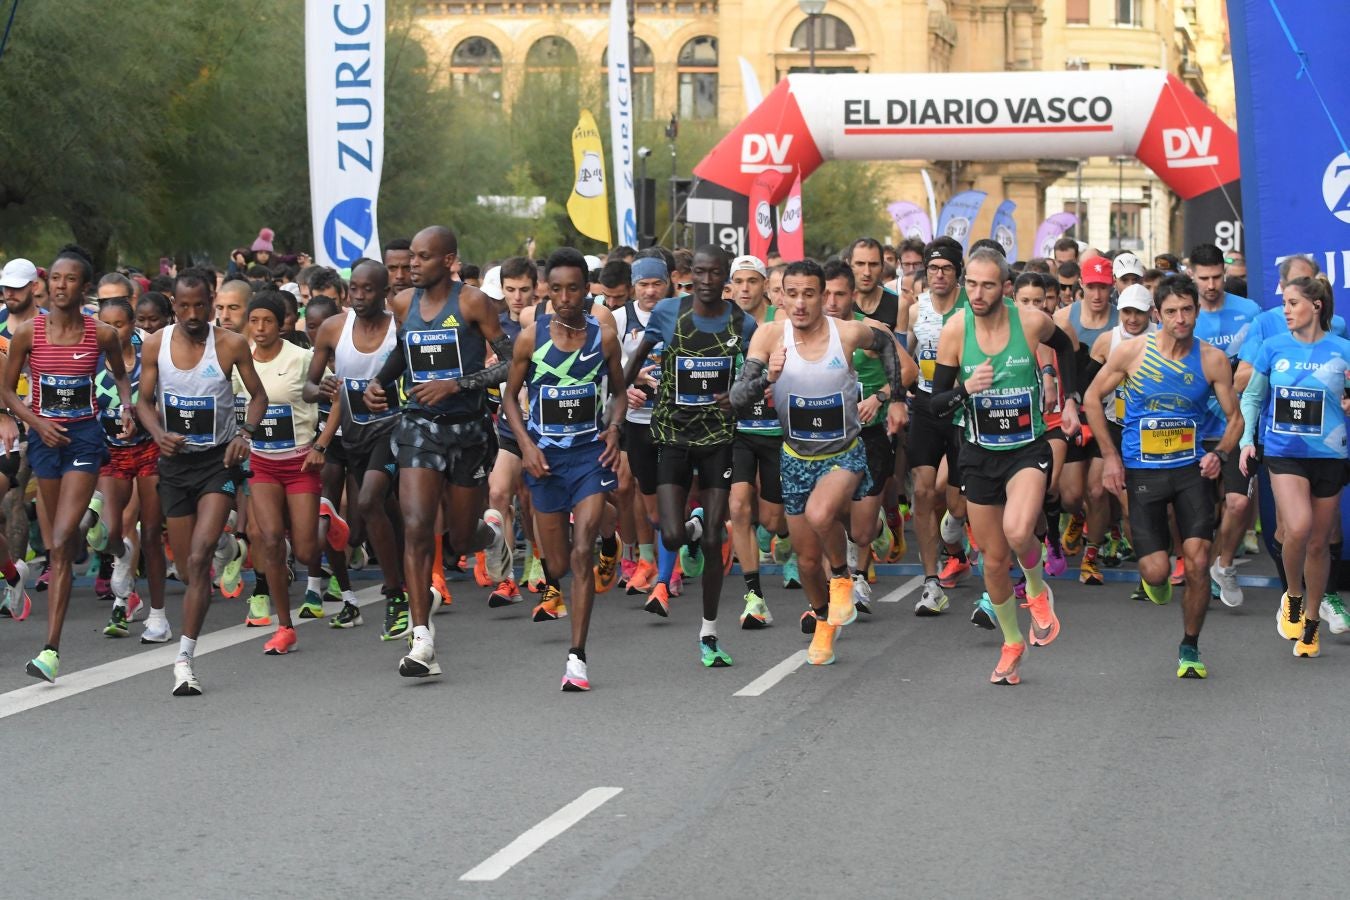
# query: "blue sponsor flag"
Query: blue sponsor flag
1004,229
959,215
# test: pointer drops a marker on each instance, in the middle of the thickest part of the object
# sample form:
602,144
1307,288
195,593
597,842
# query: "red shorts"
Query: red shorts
127,463
285,472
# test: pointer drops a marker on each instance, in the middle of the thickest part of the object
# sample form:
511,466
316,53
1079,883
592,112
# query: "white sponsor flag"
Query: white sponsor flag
621,124
344,97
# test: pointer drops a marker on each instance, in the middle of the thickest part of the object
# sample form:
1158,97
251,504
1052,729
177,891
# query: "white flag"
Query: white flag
621,123
344,96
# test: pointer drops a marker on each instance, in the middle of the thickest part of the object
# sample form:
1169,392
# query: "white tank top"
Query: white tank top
356,369
631,335
927,329
817,400
197,403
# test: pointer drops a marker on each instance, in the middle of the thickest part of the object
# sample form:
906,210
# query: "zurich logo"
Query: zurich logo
800,402
1282,365
987,404
1152,424
415,338
347,231
1284,392
688,363
1336,187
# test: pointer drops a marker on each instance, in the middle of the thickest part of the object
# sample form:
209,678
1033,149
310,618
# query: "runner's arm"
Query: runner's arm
146,413
323,355
1253,399
636,361
395,364
492,375
949,394
518,368
1104,385
753,378
19,347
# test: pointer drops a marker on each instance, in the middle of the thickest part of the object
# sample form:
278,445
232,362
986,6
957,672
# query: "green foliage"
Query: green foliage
841,203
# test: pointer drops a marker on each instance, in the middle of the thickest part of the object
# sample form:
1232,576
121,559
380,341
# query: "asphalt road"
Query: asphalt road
899,771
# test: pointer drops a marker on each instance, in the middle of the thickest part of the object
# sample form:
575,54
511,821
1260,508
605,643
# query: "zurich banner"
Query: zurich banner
344,96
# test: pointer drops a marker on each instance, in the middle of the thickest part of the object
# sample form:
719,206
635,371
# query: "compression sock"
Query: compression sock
647,553
260,585
1159,593
752,583
665,567
1034,572
1006,612
1278,556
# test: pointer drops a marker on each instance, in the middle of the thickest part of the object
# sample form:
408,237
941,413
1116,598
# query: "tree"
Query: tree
840,203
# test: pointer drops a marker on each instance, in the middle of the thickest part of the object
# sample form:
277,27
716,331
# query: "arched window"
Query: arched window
697,67
476,68
644,65
832,33
550,54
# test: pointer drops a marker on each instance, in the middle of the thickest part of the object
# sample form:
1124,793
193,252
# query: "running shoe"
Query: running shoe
1019,583
480,572
792,579
1308,646
842,610
881,544
338,529
16,603
1230,592
1332,610
1250,545
642,579
282,642
1044,622
953,571
440,591
821,651
782,549
157,630
1289,619
134,605
1189,664
1089,572
97,537
397,624
972,548
312,606
626,569
498,554
123,580
983,615
809,621
259,611
551,607
756,614
676,582
436,601
1112,553
728,552
862,594
533,576
932,600
691,552
1009,664
506,594
713,654
95,510
658,601
44,577
575,679
1139,593
103,592
357,558
1055,563
606,573
1179,572
45,666
232,574
185,683
421,659
348,617
1072,539
118,623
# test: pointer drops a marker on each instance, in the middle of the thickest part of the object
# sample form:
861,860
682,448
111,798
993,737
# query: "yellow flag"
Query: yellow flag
589,204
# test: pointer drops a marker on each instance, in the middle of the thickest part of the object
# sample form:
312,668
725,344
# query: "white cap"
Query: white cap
19,273
749,264
492,284
291,288
1127,264
593,263
1136,296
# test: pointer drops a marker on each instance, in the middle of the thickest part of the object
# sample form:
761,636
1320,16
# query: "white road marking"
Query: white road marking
899,593
773,676
23,699
499,863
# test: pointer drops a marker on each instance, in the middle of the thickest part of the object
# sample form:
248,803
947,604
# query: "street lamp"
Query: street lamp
811,9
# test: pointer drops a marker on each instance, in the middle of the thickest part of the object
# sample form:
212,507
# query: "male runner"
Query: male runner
20,283
398,262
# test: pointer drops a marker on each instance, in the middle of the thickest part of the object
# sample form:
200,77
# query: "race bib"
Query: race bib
356,402
927,364
699,379
760,417
1003,420
1298,411
240,409
1166,439
276,431
566,411
66,396
816,418
433,355
192,417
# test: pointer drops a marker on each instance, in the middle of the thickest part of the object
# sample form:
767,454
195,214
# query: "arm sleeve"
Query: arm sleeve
1253,398
1062,344
750,384
395,364
948,395
492,375
884,344
660,322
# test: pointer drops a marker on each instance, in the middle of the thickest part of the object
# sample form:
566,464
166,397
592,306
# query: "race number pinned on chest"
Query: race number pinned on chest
1003,420
192,417
356,401
928,363
816,418
1298,411
276,431
240,409
433,355
66,396
1166,439
699,379
760,417
567,411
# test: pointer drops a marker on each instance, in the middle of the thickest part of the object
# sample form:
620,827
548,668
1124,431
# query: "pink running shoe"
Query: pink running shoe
1055,563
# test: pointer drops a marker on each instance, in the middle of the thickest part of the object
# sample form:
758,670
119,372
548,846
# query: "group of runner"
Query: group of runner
657,419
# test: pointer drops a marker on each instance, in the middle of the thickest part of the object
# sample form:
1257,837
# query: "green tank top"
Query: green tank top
1007,415
871,375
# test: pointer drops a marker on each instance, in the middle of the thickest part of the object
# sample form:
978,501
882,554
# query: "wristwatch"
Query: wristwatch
249,429
1221,454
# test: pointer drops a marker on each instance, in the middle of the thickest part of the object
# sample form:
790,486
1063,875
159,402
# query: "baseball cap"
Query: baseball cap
1136,296
492,284
1127,264
18,273
748,264
1097,270
593,265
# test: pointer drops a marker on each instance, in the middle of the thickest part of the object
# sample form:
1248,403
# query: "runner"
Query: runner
398,263
1306,376
1005,457
14,601
571,442
153,312
806,357
1168,377
24,288
65,448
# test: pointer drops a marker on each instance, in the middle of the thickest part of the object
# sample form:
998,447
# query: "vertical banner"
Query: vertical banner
344,100
763,213
911,220
1051,230
588,206
754,95
621,123
1004,229
791,240
959,215
932,197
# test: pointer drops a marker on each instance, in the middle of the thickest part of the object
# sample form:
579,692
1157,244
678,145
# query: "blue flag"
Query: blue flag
1004,229
959,215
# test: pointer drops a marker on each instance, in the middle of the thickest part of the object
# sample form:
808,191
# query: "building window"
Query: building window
551,57
1076,12
1125,230
1127,12
1078,232
644,67
476,68
697,68
832,33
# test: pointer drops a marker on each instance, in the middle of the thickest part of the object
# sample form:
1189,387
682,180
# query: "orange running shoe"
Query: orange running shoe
282,642
551,607
606,573
821,651
1009,661
506,594
842,610
1179,572
642,579
480,572
953,570
442,589
658,601
1044,622
338,529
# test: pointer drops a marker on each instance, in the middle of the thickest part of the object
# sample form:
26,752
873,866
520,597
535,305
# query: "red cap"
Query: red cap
1097,270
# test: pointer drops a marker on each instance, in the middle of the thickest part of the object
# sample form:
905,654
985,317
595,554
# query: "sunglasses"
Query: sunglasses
685,285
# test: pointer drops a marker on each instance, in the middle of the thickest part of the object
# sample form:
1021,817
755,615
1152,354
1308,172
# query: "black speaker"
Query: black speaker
646,204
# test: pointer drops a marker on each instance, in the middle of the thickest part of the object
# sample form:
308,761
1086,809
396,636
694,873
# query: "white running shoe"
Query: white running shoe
421,659
498,555
851,556
185,683
1230,592
862,594
932,601
1333,613
16,594
124,571
157,630
575,677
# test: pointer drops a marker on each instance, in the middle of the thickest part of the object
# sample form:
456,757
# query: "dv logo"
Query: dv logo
1188,148
347,231
765,153
1336,187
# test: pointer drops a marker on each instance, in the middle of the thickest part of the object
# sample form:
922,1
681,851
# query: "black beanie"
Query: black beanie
947,250
269,301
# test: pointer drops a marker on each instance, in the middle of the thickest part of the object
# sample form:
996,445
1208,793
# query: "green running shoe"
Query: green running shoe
232,577
397,624
881,544
691,560
764,537
1139,593
259,611
46,664
97,537
782,550
312,606
713,654
349,617
117,623
792,579
1189,664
